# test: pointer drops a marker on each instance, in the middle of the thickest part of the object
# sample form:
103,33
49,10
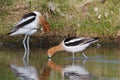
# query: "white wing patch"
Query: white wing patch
74,40
23,20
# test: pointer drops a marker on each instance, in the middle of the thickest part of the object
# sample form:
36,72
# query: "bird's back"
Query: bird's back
74,44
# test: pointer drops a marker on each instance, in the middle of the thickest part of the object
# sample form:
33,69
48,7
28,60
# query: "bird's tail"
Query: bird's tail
91,40
8,33
94,39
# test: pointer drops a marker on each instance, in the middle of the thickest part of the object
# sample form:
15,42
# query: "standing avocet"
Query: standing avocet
27,26
73,44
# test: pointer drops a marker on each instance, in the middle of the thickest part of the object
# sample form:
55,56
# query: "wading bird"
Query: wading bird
27,26
73,44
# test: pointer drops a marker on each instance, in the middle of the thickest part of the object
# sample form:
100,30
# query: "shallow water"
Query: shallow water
103,64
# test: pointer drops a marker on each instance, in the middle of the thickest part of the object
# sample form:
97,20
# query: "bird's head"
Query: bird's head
44,23
50,52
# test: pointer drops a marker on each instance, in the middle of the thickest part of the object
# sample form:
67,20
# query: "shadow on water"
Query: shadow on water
103,64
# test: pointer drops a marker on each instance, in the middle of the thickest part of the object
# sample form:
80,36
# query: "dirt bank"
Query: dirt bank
52,38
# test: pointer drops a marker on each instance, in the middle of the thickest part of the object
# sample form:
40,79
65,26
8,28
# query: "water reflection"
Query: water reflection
71,72
25,72
103,64
29,72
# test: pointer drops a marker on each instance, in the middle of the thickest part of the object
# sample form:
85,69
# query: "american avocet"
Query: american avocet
73,44
28,25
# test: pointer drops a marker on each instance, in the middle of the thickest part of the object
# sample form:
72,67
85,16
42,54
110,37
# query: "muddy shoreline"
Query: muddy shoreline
47,40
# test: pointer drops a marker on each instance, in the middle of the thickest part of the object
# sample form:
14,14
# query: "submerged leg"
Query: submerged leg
84,55
25,47
73,62
83,62
73,56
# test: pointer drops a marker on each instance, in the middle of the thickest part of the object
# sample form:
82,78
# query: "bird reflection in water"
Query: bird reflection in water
25,72
71,72
28,72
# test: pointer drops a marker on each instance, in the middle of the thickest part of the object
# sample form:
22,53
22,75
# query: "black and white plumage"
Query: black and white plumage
73,44
27,26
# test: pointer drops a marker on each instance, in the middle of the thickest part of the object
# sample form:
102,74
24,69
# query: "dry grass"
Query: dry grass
77,17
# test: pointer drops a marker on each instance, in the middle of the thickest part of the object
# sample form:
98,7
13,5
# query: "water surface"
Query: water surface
103,64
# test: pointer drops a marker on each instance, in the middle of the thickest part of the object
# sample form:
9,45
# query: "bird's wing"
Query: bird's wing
73,41
78,41
26,19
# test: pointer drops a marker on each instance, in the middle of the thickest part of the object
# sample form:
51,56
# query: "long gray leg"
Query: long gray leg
84,55
28,48
25,47
83,62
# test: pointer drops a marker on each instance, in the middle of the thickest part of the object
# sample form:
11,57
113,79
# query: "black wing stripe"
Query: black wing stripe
25,23
28,15
22,24
91,40
70,38
75,43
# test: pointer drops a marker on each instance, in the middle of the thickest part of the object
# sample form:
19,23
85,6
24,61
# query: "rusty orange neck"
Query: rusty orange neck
44,23
54,49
